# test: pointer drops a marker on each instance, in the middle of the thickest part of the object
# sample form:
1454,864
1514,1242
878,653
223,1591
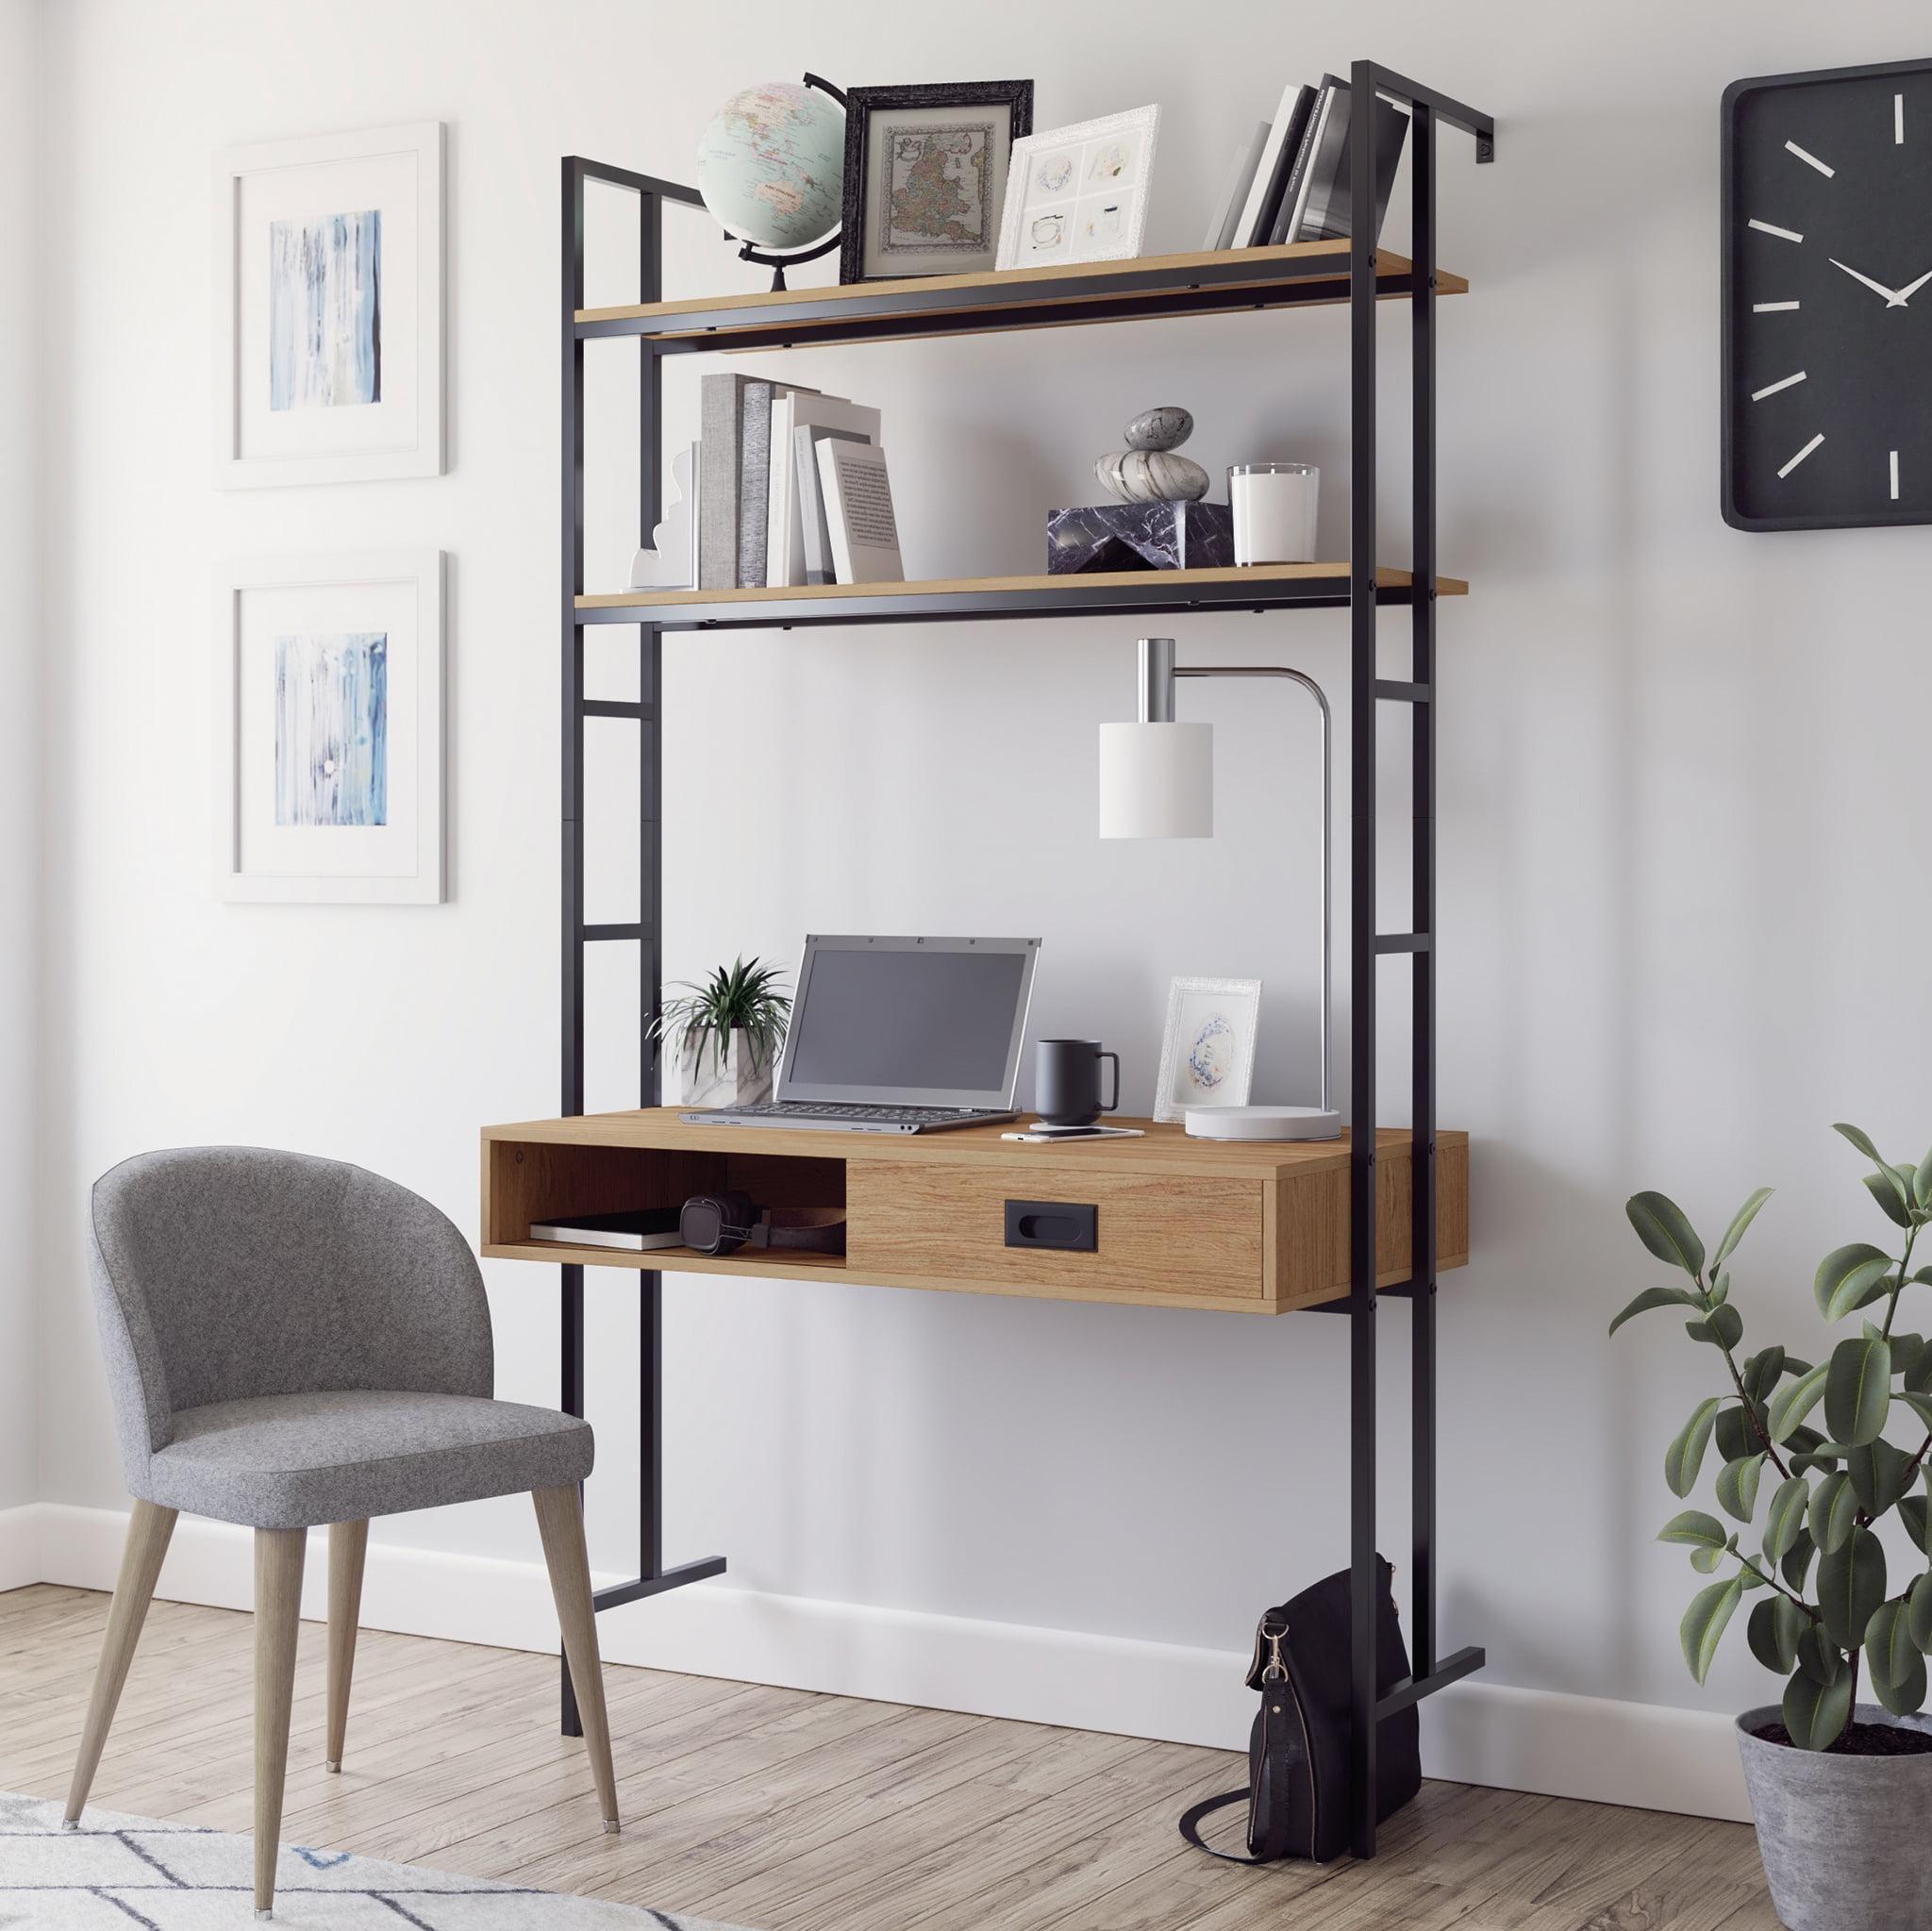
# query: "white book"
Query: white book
1235,189
859,512
784,525
1244,235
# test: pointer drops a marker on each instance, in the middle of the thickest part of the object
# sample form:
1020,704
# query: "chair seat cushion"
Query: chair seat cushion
291,1461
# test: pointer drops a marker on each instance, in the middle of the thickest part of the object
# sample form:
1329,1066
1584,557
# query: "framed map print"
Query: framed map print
926,176
328,729
328,309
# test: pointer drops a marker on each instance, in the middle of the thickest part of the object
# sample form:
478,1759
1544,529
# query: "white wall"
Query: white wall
21,648
1680,799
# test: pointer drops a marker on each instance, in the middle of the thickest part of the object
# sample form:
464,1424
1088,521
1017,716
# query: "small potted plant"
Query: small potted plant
1840,1789
726,1034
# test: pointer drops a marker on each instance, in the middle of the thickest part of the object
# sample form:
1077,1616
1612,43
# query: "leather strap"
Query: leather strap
1190,1826
809,1229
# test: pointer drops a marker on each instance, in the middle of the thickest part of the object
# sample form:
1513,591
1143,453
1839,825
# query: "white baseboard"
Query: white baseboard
1646,1756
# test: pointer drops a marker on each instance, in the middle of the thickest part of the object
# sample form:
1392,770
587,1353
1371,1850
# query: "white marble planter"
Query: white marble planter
703,1081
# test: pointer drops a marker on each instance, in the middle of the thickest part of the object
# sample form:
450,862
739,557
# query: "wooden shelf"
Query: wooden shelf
1306,274
1153,592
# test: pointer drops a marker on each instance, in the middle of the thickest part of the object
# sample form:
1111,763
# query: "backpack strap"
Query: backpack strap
1191,1825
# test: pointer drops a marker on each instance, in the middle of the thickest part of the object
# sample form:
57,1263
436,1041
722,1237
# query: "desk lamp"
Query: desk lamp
1156,780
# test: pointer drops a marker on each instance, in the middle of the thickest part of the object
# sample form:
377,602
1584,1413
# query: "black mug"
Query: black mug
1066,1079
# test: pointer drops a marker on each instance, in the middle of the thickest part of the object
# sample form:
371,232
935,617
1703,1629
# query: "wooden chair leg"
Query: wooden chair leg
279,1554
560,1521
148,1530
348,1543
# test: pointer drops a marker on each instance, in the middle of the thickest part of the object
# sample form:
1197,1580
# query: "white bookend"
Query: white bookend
784,526
859,512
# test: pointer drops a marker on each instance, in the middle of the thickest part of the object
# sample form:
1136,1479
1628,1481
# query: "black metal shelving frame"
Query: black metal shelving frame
1285,282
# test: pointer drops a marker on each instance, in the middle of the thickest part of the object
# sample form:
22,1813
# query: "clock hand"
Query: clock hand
1892,299
1906,294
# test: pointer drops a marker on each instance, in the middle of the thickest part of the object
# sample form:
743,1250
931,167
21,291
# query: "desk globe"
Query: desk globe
771,164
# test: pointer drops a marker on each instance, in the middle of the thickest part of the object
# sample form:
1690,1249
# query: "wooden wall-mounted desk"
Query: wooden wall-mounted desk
1180,1223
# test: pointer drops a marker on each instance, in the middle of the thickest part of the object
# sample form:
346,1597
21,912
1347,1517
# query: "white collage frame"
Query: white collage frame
1086,144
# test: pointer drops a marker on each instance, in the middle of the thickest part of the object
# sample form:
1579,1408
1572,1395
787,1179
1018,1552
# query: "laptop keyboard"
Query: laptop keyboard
825,1109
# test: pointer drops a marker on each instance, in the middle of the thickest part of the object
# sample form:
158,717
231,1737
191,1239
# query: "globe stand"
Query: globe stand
749,251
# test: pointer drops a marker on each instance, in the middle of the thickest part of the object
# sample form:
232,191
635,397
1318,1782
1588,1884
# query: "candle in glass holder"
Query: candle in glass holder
1273,506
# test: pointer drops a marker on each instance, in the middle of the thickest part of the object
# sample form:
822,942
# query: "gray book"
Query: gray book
721,450
754,481
816,530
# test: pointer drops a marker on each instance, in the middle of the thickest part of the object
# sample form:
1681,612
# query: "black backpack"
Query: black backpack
1297,1789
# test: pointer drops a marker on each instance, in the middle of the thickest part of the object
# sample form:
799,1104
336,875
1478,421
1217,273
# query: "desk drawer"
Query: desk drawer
1155,1235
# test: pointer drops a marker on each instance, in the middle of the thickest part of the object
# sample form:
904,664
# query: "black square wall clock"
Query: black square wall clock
1827,298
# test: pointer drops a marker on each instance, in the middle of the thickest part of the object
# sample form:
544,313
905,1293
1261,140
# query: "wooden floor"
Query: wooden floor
786,1811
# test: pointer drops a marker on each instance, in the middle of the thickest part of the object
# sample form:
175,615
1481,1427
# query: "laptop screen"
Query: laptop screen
932,1022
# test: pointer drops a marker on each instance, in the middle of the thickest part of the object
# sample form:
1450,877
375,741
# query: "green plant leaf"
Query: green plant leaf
1903,1695
1814,1712
1795,1400
1720,1289
1662,1227
1734,1434
1762,1373
1880,1473
1685,1455
1912,1513
1906,1352
1658,1297
1773,1630
1921,1404
1704,1623
1919,1376
1884,1188
1889,1651
1860,1140
1922,1181
1845,1274
1724,1327
1704,1562
1736,1485
1833,1512
1817,1656
1857,1390
1795,1563
1783,1520
1919,1611
1694,1527
1851,1585
1740,1221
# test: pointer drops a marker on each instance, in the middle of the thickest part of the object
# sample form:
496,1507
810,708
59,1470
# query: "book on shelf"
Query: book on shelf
1257,213
859,512
735,422
1293,210
784,520
818,567
1327,215
1234,193
640,1231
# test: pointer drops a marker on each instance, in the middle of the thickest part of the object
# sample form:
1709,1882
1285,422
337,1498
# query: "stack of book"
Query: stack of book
1291,180
772,497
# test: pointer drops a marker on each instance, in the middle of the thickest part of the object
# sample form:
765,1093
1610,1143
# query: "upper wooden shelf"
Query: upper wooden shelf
1229,278
1117,592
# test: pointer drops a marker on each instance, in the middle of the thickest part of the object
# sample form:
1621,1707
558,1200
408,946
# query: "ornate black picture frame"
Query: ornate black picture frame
926,176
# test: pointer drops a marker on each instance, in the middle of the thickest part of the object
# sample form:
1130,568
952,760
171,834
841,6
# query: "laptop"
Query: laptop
899,1036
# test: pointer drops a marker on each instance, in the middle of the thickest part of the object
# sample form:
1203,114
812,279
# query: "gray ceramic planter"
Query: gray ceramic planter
1840,1836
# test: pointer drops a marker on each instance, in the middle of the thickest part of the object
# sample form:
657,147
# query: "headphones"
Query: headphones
723,1223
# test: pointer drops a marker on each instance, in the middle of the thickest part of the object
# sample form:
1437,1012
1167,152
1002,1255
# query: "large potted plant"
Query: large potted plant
725,1034
1840,1789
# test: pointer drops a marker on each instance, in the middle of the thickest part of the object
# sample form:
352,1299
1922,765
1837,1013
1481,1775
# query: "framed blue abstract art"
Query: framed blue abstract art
329,729
328,309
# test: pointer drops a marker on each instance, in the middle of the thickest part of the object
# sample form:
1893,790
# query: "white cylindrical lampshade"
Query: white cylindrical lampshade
1156,780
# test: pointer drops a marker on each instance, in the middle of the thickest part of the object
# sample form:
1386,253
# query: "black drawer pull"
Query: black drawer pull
1060,1224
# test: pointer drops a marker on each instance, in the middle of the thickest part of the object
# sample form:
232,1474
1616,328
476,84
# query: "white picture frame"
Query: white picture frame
328,309
1079,193
1207,1045
328,729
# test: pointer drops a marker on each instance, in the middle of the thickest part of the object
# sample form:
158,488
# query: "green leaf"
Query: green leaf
1845,1275
1889,1650
1884,1188
1726,1326
1696,1528
1705,1560
1720,1289
1658,1297
1912,1513
1817,1656
1736,1485
1922,1181
1773,1631
1859,1140
1833,1512
1662,1227
1851,1585
1795,1563
1783,1520
1795,1400
1918,1612
1740,1221
1919,1376
1907,1349
1857,1390
1921,1404
1880,1473
1704,1623
1814,1713
1762,1373
1795,1368
1734,1434
1685,1455
1904,1695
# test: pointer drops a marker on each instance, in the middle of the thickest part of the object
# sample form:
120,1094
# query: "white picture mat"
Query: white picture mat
397,592
1079,193
881,124
1191,1003
399,171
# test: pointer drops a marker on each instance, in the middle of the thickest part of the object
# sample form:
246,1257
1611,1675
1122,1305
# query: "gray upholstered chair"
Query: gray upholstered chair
290,1341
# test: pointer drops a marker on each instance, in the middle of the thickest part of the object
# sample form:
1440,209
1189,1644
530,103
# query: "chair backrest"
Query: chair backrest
225,1272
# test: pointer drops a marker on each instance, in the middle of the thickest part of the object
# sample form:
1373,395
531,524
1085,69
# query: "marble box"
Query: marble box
1139,536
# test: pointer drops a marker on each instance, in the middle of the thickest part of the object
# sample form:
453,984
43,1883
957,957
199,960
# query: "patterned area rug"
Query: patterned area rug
115,1874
